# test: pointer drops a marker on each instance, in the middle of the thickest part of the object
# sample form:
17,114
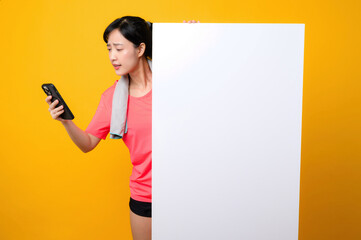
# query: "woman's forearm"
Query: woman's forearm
81,138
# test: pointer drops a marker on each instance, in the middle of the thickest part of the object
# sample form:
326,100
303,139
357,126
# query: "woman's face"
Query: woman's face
122,54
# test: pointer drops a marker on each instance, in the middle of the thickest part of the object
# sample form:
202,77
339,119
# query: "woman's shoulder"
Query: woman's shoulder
108,93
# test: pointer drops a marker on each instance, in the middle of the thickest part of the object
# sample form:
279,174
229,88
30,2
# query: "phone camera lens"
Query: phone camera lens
46,90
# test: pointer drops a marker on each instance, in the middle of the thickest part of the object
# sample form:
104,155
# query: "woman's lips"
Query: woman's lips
116,66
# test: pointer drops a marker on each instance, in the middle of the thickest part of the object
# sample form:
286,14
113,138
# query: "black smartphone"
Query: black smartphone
50,89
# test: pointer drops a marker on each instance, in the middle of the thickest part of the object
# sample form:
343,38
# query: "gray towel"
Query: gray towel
118,122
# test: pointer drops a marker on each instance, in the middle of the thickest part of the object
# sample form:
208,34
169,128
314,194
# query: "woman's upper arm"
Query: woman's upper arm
99,126
93,141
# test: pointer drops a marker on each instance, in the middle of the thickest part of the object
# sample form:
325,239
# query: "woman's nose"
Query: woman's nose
112,55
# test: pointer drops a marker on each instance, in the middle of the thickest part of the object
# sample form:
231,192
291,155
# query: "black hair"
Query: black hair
134,29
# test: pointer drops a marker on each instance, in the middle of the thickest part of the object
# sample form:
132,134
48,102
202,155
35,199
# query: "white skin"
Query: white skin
133,62
130,60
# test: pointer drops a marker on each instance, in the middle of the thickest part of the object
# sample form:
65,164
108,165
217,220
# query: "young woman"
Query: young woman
129,42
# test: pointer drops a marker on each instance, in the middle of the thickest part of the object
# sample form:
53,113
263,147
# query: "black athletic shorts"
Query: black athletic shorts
143,209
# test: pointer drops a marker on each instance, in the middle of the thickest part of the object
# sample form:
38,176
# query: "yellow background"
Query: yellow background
49,189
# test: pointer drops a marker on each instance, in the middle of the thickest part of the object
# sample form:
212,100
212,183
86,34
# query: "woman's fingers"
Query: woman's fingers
48,99
53,104
58,108
55,113
191,21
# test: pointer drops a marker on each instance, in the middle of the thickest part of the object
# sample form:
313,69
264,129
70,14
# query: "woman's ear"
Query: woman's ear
141,49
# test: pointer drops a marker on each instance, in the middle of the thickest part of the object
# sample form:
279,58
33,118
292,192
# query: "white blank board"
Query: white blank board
227,113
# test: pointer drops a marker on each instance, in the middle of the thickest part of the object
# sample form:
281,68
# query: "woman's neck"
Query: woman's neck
141,78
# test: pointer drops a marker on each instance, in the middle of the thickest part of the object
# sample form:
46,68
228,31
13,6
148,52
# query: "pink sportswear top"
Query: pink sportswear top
138,138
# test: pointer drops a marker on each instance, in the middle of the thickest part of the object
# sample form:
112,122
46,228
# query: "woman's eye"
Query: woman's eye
117,50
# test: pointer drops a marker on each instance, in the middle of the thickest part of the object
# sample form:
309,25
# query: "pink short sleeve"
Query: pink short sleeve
100,124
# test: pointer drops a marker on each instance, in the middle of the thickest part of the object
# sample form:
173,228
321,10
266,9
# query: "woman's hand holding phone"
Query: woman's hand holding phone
57,106
55,112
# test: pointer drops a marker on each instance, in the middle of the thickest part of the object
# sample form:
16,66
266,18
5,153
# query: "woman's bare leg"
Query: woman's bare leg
141,227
